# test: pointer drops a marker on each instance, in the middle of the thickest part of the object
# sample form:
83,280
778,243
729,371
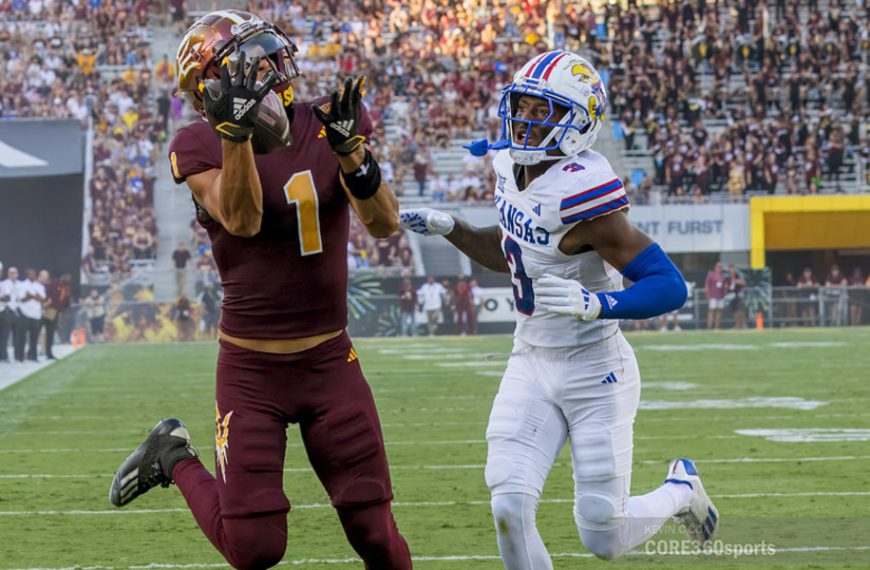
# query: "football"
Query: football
272,131
272,126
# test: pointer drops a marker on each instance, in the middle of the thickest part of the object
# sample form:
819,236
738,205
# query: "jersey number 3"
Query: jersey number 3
524,294
300,190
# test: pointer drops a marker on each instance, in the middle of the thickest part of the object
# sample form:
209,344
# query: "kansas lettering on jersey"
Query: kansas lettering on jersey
290,280
533,223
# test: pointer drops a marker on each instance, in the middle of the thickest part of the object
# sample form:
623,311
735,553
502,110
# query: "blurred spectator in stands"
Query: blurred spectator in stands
95,310
422,166
178,14
180,257
463,301
809,298
857,297
211,310
715,287
182,314
432,296
164,73
7,314
734,293
30,311
407,308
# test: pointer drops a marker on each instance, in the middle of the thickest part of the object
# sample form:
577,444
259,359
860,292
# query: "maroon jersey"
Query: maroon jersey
290,280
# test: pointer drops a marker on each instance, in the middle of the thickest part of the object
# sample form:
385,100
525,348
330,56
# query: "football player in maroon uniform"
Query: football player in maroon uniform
278,224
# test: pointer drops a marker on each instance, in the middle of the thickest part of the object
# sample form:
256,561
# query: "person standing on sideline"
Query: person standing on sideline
7,315
476,301
180,257
857,294
210,299
56,302
734,286
407,308
16,290
566,240
715,285
463,302
431,295
30,308
95,309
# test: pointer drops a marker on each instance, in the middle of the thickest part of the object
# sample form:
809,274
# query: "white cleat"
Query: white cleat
700,518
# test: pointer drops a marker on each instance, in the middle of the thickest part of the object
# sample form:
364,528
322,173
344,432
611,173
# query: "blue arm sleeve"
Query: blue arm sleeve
658,288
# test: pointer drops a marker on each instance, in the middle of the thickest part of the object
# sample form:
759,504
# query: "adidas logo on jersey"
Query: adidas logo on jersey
537,209
610,379
352,355
611,302
242,106
343,127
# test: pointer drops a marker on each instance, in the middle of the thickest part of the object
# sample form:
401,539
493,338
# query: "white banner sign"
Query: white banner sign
679,229
497,305
696,228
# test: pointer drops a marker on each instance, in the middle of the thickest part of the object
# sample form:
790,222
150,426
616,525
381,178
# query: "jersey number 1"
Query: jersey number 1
301,191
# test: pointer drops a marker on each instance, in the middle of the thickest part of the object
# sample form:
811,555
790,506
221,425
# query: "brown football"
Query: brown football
272,131
271,126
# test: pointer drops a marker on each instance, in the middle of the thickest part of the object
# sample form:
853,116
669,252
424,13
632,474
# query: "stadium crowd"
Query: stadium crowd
750,96
91,61
727,96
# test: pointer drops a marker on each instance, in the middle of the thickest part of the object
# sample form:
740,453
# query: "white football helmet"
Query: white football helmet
565,79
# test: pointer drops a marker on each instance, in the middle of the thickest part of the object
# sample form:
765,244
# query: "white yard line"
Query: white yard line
453,558
409,504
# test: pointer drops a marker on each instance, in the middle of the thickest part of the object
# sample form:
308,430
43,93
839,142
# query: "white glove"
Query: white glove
426,221
567,297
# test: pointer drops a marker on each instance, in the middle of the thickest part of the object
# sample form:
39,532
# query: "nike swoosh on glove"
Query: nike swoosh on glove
426,221
566,297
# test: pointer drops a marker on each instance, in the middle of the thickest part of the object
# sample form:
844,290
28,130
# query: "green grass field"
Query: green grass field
64,431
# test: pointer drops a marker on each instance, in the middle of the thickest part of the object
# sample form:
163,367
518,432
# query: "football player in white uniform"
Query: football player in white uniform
565,238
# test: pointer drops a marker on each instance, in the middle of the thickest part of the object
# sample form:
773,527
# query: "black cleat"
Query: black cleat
152,462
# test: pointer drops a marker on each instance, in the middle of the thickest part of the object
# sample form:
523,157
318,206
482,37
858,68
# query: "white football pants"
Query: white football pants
587,396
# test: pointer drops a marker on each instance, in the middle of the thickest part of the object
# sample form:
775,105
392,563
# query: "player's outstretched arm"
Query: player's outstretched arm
483,245
658,287
368,193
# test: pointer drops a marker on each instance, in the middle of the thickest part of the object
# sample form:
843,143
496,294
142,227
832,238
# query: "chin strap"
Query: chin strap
480,147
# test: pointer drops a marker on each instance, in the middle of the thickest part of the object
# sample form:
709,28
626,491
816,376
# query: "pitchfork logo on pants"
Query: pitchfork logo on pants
221,439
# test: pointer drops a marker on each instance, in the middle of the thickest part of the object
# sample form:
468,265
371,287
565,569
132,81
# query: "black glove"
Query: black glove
342,118
233,109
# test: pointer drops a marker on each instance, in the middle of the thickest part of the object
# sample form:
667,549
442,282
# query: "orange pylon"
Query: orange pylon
74,338
83,335
759,321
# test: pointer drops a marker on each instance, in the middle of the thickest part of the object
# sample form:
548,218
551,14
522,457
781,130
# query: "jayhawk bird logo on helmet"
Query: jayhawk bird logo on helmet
578,103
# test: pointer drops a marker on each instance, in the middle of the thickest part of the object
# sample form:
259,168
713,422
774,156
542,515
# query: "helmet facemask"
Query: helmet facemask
566,120
272,49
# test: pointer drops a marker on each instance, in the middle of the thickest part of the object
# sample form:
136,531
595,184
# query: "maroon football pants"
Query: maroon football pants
242,510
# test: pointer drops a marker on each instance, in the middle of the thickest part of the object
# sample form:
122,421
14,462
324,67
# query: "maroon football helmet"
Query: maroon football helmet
224,35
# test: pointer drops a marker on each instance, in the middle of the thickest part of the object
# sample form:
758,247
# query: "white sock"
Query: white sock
519,542
645,517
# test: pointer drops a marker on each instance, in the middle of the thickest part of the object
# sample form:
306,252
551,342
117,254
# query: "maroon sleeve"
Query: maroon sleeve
365,123
189,154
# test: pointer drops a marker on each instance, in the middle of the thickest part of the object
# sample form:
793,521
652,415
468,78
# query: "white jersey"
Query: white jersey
533,223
